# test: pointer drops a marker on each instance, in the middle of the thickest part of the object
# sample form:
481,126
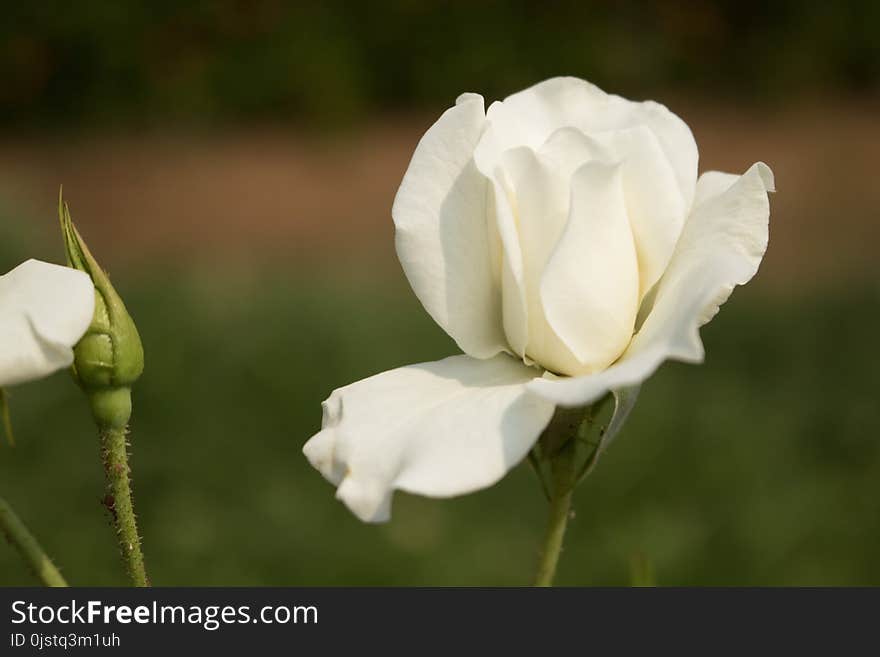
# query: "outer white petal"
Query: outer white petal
44,311
442,235
713,183
529,117
721,246
438,429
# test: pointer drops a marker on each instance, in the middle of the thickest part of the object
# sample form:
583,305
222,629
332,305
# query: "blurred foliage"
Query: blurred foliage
328,62
759,467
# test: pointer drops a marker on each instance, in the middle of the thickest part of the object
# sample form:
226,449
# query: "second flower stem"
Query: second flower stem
22,540
114,451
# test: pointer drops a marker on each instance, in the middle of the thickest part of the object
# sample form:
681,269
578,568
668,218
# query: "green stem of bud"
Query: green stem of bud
108,360
111,407
114,450
28,547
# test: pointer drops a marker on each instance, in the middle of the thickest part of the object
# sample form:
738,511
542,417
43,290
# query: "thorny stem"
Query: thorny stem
28,547
563,477
558,449
119,502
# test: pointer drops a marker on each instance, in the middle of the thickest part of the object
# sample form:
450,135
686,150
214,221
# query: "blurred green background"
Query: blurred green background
233,165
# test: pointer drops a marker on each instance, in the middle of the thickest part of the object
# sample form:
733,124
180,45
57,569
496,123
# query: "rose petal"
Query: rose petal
542,199
529,202
442,236
654,202
721,246
529,117
439,429
44,311
590,286
504,234
713,183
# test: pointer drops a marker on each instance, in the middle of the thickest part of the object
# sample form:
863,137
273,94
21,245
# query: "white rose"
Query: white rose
563,240
44,311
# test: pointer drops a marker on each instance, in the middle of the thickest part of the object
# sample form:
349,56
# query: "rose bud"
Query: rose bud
110,357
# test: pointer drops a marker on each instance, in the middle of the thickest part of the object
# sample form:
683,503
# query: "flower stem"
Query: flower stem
5,419
119,502
28,547
563,473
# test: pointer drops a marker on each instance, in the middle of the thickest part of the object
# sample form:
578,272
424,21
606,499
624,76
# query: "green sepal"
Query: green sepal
110,356
111,353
